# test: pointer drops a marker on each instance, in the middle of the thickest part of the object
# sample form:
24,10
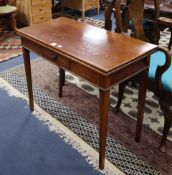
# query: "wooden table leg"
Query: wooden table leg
26,57
103,123
141,103
61,80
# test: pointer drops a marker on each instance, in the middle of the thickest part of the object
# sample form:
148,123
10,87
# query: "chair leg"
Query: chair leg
61,80
167,110
120,95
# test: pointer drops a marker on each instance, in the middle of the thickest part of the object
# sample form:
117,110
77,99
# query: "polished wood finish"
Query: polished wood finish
101,57
33,11
164,97
81,5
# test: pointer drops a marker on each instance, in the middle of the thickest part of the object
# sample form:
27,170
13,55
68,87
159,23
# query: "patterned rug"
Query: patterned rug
153,116
164,38
127,161
38,144
10,45
121,127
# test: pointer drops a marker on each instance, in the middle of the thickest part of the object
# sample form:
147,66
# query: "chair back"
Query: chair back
136,17
131,16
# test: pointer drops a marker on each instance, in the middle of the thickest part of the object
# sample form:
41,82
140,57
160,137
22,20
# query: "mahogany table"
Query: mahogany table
101,57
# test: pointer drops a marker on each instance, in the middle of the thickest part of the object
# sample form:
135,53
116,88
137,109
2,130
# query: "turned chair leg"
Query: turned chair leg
61,80
166,107
120,95
167,124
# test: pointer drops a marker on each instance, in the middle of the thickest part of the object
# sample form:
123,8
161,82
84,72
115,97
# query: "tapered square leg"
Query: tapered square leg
103,123
141,103
27,66
61,81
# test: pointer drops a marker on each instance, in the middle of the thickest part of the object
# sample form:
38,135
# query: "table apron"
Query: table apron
91,74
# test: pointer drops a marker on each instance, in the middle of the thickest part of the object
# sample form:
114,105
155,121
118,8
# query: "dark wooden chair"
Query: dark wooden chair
163,20
159,20
160,71
7,15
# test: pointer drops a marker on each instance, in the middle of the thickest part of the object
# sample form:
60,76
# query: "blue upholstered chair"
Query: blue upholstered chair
160,70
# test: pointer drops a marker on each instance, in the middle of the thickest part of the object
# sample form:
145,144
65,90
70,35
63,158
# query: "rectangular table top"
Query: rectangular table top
100,49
